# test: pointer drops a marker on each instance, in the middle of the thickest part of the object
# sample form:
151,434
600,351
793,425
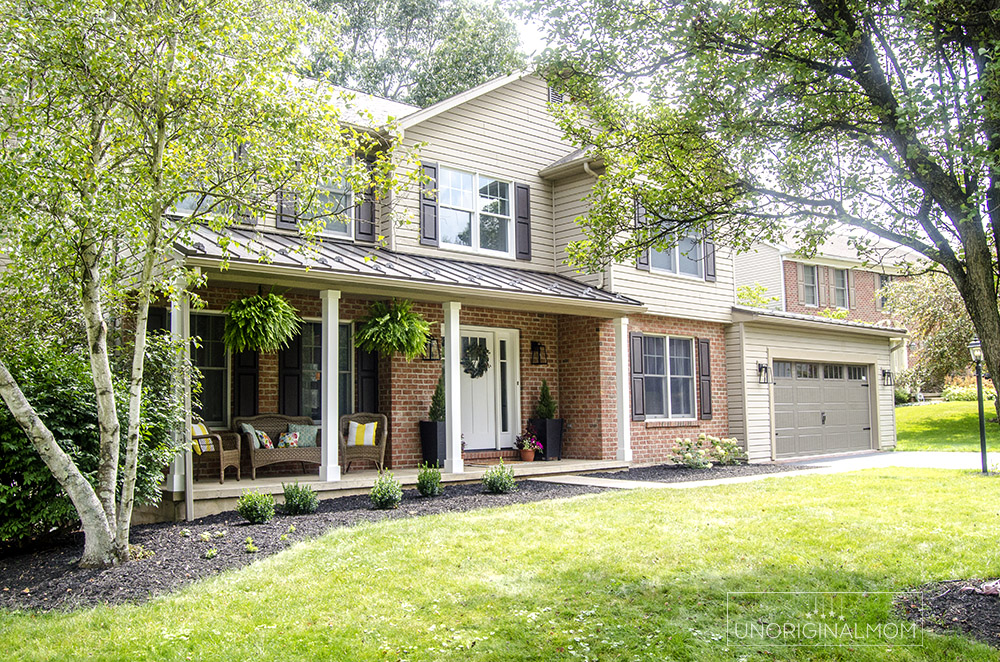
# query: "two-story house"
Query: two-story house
636,356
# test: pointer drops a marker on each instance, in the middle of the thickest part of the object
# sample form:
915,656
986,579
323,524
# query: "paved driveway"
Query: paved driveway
926,459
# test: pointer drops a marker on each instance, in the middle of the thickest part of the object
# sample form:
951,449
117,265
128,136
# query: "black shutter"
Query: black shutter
429,206
522,221
285,209
367,363
641,262
638,377
247,380
364,224
704,379
158,319
290,378
709,248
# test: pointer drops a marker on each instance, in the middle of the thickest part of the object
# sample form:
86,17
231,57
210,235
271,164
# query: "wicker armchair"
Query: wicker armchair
228,457
376,453
274,425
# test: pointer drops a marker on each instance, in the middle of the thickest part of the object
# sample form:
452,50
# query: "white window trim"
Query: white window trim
474,239
675,250
846,288
227,399
815,285
666,366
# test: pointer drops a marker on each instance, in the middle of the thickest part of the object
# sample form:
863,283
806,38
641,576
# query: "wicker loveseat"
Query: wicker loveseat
274,425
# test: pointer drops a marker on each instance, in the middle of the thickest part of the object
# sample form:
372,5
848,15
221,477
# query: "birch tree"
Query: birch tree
124,124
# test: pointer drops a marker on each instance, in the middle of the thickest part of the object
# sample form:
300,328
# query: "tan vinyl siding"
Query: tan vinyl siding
569,203
767,342
681,296
762,265
735,393
507,133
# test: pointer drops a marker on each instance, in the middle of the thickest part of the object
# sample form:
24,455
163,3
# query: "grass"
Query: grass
945,426
618,576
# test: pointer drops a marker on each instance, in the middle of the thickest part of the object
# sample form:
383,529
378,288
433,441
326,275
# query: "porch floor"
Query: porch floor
211,498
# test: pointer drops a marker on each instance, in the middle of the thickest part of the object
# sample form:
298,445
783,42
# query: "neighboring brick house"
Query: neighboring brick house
834,280
636,356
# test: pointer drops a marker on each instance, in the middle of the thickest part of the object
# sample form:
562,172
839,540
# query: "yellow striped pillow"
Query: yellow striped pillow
361,435
200,446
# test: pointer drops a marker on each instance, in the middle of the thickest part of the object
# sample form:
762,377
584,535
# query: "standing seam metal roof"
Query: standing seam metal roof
344,257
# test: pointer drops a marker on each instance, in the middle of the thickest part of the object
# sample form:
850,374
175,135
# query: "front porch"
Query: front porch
210,498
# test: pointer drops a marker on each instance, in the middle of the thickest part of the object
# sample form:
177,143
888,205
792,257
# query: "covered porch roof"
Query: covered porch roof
270,257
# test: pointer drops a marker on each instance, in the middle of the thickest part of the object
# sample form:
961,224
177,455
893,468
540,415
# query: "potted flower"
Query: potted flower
433,435
528,444
547,428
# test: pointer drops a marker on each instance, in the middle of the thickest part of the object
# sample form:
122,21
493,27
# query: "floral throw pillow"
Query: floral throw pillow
265,441
288,440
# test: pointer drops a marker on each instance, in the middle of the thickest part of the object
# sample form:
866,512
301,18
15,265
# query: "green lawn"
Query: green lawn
617,576
945,426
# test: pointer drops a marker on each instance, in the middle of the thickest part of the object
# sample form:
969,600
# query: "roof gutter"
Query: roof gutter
764,317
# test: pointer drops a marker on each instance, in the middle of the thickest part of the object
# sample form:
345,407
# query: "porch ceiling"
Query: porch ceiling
360,269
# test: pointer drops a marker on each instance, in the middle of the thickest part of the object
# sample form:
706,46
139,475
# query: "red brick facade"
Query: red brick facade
653,439
863,302
580,373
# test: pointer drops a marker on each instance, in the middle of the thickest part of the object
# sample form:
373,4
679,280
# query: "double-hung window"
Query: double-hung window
841,298
884,281
810,284
333,204
300,379
686,257
668,366
475,212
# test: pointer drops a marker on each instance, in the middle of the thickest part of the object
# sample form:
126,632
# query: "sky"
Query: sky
532,40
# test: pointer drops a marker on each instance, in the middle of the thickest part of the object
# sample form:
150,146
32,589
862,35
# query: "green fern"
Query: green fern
393,327
262,323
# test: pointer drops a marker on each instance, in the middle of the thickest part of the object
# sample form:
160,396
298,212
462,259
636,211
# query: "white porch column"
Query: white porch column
624,383
180,475
452,387
329,469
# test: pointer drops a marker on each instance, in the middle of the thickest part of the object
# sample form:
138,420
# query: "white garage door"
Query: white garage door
821,408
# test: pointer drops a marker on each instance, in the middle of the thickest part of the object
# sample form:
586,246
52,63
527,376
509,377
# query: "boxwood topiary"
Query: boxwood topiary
429,481
299,499
499,479
255,507
386,493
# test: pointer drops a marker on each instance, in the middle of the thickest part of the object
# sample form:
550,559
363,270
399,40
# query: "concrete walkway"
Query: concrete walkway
813,466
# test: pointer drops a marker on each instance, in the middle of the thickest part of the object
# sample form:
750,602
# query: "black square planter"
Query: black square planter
549,433
433,442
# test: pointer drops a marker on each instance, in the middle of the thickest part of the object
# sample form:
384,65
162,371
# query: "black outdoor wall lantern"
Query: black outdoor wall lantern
763,374
887,379
538,354
433,350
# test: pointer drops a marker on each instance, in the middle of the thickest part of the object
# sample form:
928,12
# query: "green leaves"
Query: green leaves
393,327
261,323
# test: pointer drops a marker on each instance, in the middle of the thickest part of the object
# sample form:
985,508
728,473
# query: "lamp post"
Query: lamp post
976,349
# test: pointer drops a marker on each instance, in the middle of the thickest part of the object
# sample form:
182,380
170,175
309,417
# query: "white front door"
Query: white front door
490,403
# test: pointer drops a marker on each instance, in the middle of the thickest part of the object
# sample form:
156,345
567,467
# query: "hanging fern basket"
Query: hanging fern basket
476,360
260,323
392,327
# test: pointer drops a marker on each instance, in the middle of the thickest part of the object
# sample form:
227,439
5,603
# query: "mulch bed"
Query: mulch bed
48,578
674,473
954,606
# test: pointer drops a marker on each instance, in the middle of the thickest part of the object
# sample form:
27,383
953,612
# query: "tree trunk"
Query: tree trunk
98,550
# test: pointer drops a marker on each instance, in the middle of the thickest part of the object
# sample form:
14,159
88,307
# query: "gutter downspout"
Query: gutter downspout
604,274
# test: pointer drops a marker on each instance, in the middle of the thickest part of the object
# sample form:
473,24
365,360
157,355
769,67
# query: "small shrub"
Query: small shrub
205,536
185,533
291,528
138,552
219,534
211,553
499,479
546,405
299,499
255,507
387,493
250,547
967,393
705,451
429,481
283,537
901,395
438,408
